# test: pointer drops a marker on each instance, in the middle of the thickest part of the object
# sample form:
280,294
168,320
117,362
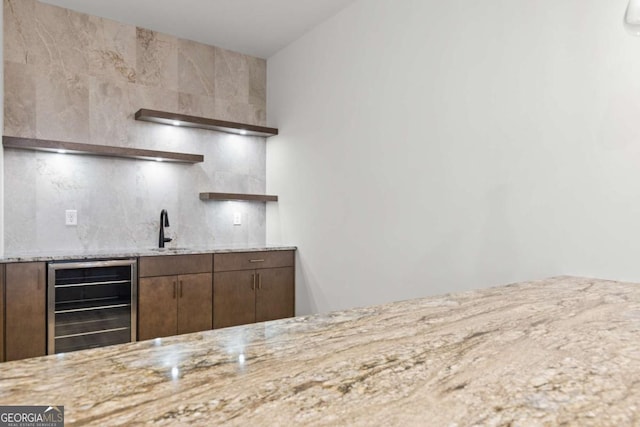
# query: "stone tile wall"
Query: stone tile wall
79,78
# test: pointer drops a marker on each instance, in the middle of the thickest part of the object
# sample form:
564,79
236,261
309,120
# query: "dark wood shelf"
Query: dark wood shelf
234,196
98,150
175,119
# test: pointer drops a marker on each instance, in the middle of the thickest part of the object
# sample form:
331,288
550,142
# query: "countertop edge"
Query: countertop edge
130,253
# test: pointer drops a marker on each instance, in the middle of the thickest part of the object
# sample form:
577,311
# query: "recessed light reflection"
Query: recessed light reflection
241,359
176,123
243,132
157,341
175,373
158,160
62,151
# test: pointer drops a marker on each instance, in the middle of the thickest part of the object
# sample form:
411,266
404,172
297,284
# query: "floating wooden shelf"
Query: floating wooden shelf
98,150
175,119
232,196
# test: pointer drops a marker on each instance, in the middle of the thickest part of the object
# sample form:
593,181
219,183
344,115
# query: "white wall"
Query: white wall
433,146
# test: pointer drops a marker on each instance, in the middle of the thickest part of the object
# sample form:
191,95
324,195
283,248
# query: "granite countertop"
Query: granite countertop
562,351
132,253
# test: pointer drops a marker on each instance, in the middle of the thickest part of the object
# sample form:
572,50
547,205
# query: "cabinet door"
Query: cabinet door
275,297
194,303
157,307
25,310
234,298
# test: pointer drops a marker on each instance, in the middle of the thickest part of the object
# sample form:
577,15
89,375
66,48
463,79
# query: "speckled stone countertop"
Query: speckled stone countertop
562,351
132,253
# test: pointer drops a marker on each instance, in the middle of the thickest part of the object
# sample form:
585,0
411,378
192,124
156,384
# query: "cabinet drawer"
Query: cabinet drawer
251,260
171,265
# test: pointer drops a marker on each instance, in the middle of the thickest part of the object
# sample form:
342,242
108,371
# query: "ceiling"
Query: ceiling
254,27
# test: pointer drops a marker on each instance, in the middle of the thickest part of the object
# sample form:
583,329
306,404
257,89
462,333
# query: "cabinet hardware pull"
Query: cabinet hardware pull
256,260
259,281
174,289
253,278
180,287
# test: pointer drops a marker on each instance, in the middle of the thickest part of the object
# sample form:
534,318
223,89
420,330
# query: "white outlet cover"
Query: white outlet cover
71,217
237,218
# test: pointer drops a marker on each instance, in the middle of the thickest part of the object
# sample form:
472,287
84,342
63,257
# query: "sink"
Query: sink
175,249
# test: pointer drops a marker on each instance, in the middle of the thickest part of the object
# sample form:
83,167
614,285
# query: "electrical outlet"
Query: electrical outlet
71,217
237,218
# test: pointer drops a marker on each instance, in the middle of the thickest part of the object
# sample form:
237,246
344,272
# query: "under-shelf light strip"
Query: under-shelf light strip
178,123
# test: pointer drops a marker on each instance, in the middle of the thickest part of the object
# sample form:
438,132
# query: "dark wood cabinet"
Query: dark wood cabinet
25,310
194,303
246,294
275,297
234,298
172,265
157,307
177,294
1,312
176,297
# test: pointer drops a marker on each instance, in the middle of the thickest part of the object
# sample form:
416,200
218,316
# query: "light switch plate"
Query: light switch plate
71,217
237,218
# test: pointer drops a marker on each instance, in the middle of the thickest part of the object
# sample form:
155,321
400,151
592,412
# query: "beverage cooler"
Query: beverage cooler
91,304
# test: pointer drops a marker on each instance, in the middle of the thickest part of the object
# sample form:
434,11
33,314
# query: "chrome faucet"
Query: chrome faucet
164,222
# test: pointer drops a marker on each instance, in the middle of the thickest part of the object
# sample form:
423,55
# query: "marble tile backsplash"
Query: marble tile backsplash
80,78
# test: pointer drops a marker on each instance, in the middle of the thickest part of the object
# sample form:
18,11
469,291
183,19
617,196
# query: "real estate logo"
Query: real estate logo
31,416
